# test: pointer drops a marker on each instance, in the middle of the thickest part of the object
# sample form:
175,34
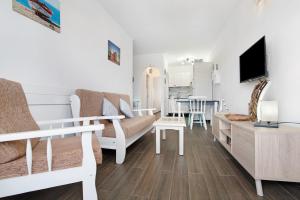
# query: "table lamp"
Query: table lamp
268,112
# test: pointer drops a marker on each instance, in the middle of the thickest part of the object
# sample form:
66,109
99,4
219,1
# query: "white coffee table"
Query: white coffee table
171,123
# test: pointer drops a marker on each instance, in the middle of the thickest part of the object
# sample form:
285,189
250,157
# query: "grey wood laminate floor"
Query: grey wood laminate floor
206,171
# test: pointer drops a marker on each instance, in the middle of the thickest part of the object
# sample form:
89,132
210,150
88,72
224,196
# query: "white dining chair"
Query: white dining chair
197,107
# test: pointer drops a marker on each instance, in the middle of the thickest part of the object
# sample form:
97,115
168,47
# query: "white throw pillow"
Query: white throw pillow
125,109
109,109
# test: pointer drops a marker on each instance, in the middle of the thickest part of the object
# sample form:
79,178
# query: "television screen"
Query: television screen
253,62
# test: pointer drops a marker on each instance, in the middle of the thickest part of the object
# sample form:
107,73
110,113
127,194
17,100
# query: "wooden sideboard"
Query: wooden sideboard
266,153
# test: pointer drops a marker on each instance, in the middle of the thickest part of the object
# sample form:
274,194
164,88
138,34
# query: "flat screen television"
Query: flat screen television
253,63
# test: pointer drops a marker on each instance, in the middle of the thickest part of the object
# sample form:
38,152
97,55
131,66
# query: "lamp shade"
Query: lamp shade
269,111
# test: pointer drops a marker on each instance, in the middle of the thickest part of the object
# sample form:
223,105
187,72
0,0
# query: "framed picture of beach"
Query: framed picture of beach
45,12
114,53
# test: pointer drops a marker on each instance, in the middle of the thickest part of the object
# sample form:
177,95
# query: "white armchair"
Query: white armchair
28,164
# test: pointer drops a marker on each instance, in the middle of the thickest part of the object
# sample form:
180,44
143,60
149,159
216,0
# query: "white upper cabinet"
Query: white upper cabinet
180,76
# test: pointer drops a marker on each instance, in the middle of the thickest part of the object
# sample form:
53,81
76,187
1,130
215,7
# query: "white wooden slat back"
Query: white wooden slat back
45,95
49,154
197,103
47,102
29,156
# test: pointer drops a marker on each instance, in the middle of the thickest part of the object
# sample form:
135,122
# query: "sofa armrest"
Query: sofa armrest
113,117
85,120
140,111
49,133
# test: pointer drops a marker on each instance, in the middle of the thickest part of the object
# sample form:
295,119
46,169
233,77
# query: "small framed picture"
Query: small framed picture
45,12
114,53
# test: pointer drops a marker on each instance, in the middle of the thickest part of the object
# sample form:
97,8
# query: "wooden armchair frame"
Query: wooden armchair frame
85,173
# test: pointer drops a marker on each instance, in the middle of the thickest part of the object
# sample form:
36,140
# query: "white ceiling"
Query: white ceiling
174,27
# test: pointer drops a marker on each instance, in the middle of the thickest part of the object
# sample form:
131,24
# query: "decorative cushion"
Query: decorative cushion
109,109
125,97
114,98
14,117
125,109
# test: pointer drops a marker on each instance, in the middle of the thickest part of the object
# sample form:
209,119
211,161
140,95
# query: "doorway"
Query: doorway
153,88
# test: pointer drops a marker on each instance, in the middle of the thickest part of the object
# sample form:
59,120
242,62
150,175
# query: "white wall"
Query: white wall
140,64
52,65
279,21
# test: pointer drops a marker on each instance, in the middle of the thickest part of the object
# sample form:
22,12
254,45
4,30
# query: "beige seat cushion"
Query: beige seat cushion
14,117
131,126
66,153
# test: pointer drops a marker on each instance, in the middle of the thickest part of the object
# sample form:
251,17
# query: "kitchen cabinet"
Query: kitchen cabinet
180,76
